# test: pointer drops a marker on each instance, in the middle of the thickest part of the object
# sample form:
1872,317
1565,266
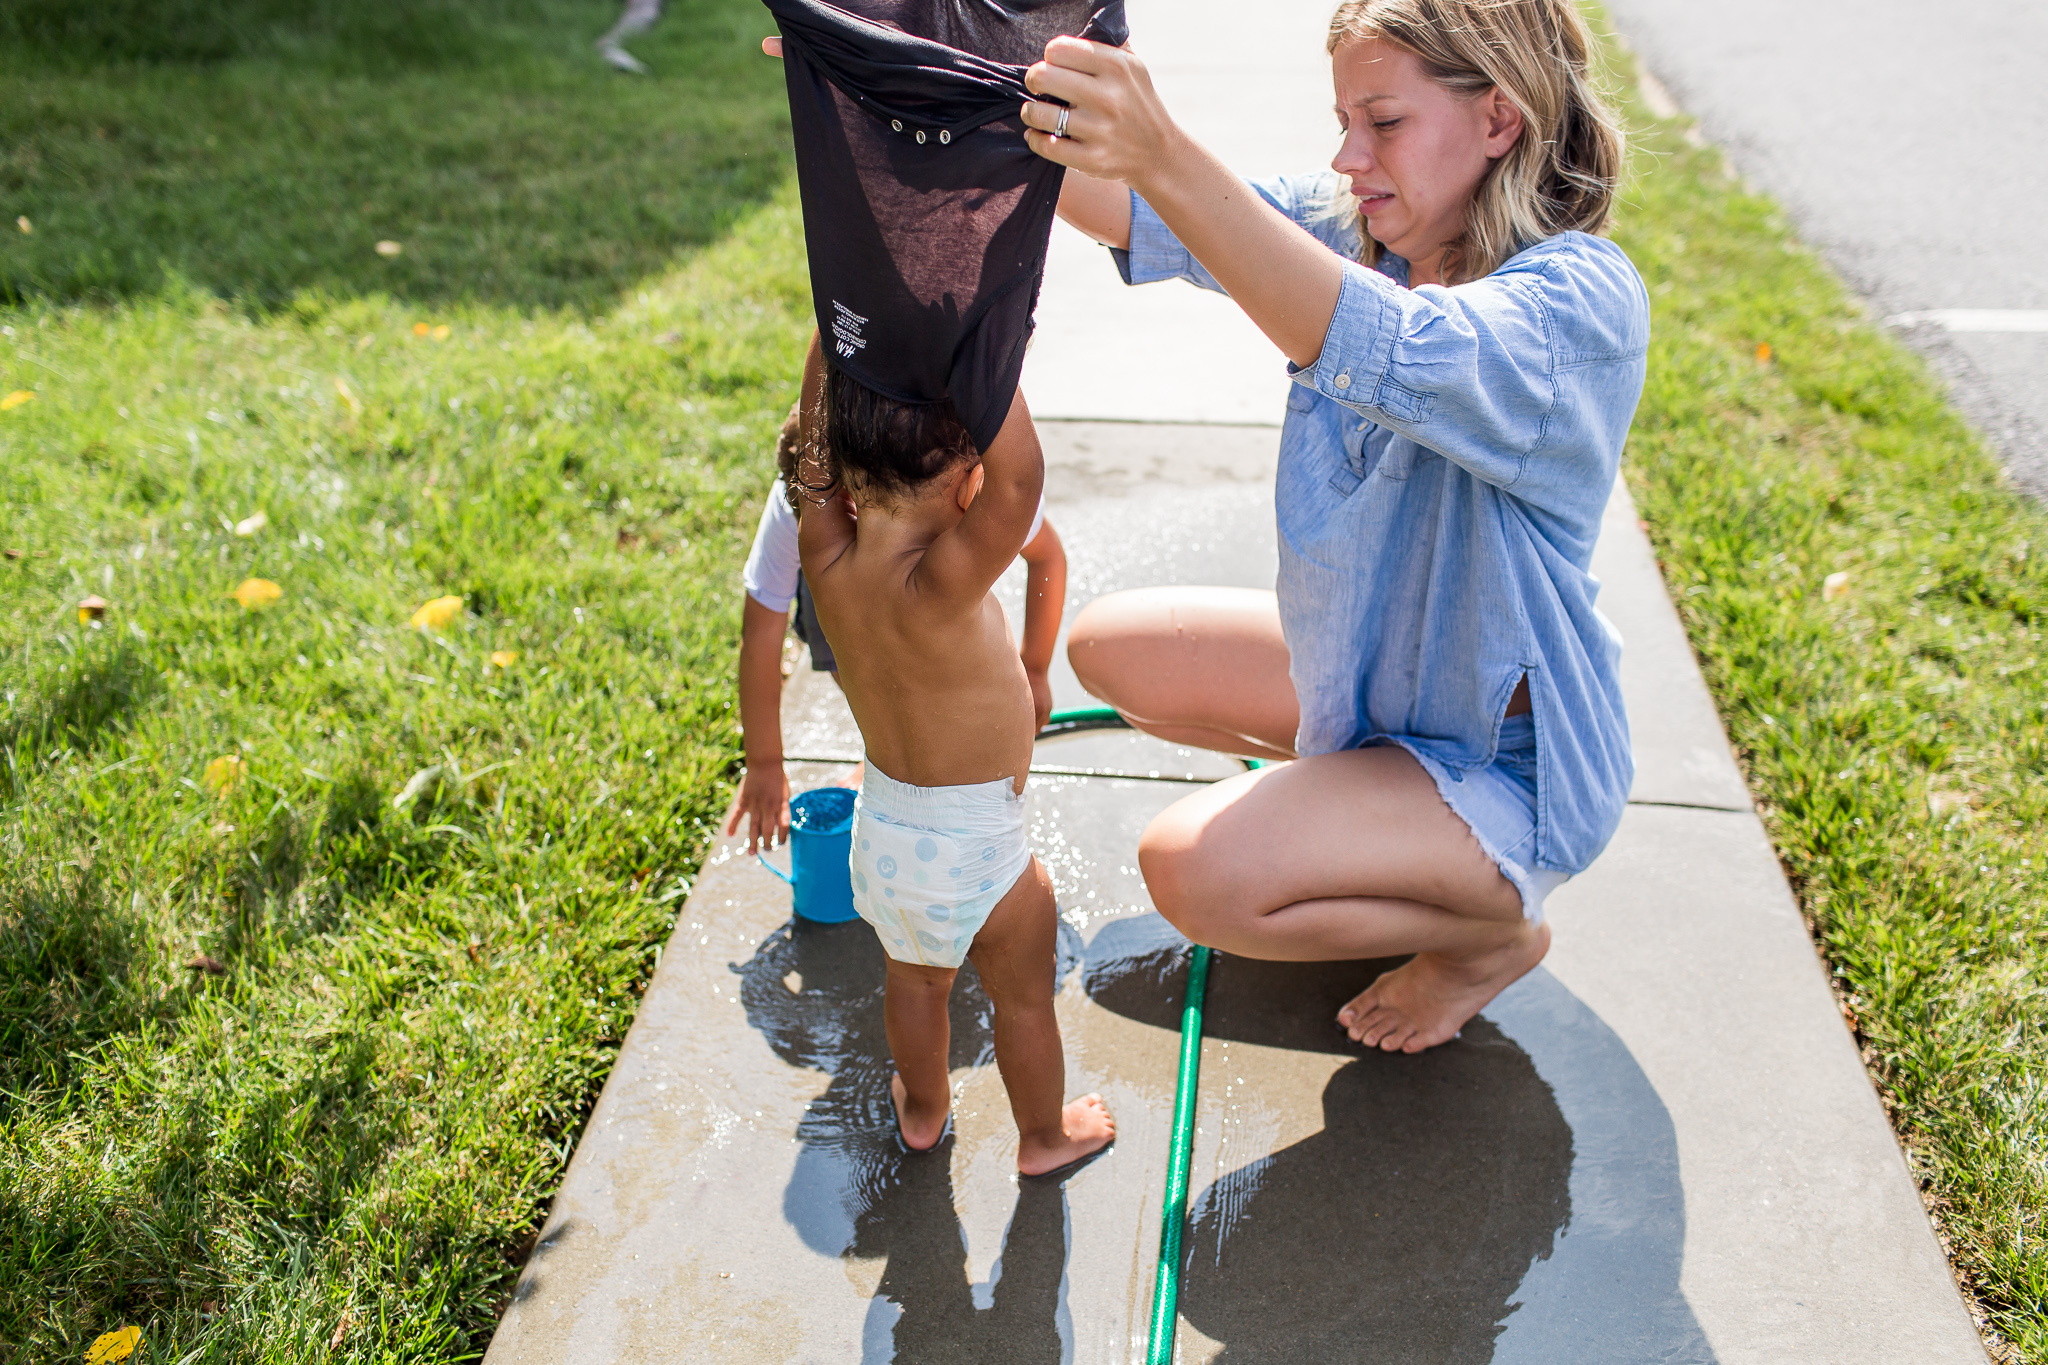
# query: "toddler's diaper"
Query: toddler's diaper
929,863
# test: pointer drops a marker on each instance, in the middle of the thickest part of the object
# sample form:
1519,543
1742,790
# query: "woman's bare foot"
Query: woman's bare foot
921,1131
1086,1128
1426,1000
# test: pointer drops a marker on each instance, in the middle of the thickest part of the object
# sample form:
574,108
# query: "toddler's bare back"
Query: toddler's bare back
935,683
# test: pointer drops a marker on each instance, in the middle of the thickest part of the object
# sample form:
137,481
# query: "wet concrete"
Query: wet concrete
1356,1206
741,1195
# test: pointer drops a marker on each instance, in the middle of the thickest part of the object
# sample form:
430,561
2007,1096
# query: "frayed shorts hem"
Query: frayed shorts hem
1501,813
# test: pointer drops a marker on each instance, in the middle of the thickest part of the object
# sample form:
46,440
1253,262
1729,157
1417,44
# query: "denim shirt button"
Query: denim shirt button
1343,381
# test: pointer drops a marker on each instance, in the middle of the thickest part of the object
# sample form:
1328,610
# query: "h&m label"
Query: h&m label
846,325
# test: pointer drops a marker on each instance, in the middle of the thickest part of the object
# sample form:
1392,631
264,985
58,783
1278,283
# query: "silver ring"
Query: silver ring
1060,128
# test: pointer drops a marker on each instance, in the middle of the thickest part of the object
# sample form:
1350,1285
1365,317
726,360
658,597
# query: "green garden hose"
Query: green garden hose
1173,1219
1083,718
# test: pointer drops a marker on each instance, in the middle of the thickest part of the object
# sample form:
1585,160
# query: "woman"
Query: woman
1466,359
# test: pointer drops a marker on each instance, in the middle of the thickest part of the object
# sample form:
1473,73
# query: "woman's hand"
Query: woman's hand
1117,128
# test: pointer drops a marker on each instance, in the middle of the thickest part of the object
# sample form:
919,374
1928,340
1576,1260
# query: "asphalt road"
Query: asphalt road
1909,143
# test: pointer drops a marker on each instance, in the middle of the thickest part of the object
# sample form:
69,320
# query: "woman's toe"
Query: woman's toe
1355,1011
1400,1028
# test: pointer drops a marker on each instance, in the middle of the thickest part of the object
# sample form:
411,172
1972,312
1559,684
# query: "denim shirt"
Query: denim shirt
1443,468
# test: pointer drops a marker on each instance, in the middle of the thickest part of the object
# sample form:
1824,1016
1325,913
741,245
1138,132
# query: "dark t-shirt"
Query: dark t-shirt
926,214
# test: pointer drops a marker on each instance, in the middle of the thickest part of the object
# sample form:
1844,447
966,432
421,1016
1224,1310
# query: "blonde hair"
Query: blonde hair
1562,173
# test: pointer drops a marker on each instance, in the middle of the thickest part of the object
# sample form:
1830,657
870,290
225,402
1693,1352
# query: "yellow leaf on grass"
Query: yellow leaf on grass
16,399
504,658
27,228
92,609
420,329
348,395
1834,585
223,774
114,1346
441,332
389,248
438,614
256,593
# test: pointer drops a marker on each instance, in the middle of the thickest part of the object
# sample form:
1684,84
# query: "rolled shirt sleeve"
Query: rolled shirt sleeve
1314,203
1155,254
1498,374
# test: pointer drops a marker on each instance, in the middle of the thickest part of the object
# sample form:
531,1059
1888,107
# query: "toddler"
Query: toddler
774,583
904,526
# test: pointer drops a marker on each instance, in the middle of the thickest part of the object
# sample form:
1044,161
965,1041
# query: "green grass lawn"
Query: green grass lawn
336,1146
262,148
1895,732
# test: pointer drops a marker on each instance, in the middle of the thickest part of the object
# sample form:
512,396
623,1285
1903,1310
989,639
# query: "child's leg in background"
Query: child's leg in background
1014,952
920,1036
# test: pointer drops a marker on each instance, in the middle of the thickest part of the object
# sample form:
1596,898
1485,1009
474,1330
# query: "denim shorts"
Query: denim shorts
1499,803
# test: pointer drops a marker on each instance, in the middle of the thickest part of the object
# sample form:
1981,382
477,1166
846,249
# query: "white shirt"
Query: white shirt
772,565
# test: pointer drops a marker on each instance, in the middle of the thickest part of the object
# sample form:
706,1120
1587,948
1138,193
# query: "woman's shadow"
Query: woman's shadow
815,994
1407,1228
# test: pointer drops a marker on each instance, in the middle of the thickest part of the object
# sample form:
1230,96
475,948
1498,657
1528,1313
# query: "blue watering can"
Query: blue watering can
820,846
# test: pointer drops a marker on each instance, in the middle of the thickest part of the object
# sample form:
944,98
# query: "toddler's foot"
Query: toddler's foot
1426,1000
921,1131
1085,1129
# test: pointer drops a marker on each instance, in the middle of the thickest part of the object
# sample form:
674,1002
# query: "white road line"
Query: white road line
1976,319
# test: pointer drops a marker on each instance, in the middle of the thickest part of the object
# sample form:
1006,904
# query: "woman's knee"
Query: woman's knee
1099,643
1180,876
1162,651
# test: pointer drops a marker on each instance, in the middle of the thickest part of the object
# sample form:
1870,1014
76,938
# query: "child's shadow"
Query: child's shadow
815,993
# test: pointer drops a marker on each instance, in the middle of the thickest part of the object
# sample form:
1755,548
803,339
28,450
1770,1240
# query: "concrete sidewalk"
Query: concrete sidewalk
1661,1146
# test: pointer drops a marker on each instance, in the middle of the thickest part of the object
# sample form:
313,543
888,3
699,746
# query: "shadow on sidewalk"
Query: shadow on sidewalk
1431,1218
815,994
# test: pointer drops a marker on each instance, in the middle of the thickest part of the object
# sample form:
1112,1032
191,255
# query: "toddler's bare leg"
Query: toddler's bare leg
920,1034
1014,954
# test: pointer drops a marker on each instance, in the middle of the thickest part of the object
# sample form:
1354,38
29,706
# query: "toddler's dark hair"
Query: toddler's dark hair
881,444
